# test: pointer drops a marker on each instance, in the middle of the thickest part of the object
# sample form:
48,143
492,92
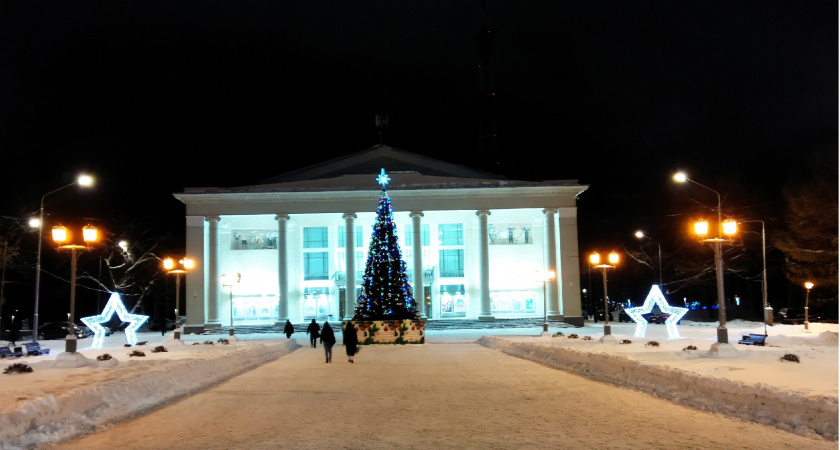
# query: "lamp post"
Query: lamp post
612,259
545,277
722,334
808,287
640,234
82,180
169,265
60,236
230,281
763,272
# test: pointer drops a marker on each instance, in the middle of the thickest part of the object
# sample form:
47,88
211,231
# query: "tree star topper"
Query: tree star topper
383,178
114,305
655,297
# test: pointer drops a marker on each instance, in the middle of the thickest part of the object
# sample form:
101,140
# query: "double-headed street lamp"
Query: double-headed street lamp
808,287
82,180
546,277
60,236
230,281
612,261
724,228
640,235
169,265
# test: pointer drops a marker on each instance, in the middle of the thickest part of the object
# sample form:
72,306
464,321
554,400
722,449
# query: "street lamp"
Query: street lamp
169,265
808,287
59,234
545,278
612,259
701,230
640,234
83,180
230,281
763,272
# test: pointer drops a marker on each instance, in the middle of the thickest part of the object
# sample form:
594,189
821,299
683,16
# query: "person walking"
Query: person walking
14,332
162,325
328,339
351,340
313,330
288,329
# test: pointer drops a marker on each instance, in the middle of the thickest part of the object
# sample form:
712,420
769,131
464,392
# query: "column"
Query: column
350,257
282,269
196,298
569,277
551,264
417,249
213,294
484,265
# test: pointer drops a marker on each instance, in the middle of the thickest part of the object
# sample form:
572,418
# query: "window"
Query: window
315,237
409,238
451,234
342,236
451,263
316,266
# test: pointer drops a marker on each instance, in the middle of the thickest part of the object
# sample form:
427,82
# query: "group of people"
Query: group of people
326,336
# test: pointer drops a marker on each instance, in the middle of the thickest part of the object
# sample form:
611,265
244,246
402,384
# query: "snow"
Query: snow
59,401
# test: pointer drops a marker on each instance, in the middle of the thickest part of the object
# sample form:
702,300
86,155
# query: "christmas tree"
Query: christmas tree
386,294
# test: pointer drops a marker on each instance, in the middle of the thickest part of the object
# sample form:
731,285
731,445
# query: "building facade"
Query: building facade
478,244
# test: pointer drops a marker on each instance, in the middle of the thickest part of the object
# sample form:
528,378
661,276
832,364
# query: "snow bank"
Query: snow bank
53,419
789,411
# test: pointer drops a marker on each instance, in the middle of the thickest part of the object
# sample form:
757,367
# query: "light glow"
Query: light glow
809,285
701,228
114,305
59,234
383,178
730,227
655,297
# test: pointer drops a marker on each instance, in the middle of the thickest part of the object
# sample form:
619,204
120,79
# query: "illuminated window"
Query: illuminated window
342,236
451,263
451,234
409,238
315,237
315,266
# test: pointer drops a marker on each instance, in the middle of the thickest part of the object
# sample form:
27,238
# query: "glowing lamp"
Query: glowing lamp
595,258
809,285
613,258
730,227
90,233
701,228
59,234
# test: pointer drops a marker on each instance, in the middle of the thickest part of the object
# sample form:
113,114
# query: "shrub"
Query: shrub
573,336
587,338
196,343
652,344
208,342
558,334
625,341
103,357
18,368
159,349
690,347
790,357
136,353
223,341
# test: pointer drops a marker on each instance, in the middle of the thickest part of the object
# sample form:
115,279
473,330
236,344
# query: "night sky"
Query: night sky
156,96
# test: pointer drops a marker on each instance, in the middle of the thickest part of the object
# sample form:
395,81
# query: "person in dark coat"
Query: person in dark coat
162,325
14,332
351,340
328,339
313,330
288,329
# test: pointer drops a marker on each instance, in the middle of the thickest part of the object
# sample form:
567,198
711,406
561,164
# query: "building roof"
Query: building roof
359,171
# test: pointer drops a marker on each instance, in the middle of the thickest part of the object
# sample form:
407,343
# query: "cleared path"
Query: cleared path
441,395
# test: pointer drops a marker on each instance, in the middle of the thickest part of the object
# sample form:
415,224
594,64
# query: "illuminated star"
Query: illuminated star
114,305
655,297
383,178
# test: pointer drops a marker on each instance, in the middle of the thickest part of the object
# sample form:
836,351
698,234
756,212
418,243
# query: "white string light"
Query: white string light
114,305
655,297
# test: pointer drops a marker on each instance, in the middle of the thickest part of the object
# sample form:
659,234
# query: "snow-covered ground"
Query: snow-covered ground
54,404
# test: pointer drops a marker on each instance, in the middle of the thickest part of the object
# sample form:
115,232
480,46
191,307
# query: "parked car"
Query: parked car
59,330
656,317
624,317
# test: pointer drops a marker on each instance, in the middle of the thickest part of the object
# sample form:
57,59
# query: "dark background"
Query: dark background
156,96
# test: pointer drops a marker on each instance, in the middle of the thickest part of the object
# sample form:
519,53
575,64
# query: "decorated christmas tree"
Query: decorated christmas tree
386,294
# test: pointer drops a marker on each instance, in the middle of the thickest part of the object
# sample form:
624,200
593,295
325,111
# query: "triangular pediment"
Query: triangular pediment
374,159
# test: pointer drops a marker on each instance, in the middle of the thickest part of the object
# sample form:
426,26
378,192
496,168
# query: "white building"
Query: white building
483,242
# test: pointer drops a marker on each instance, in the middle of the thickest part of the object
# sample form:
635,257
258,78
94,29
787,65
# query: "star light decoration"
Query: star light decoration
655,297
114,305
383,178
